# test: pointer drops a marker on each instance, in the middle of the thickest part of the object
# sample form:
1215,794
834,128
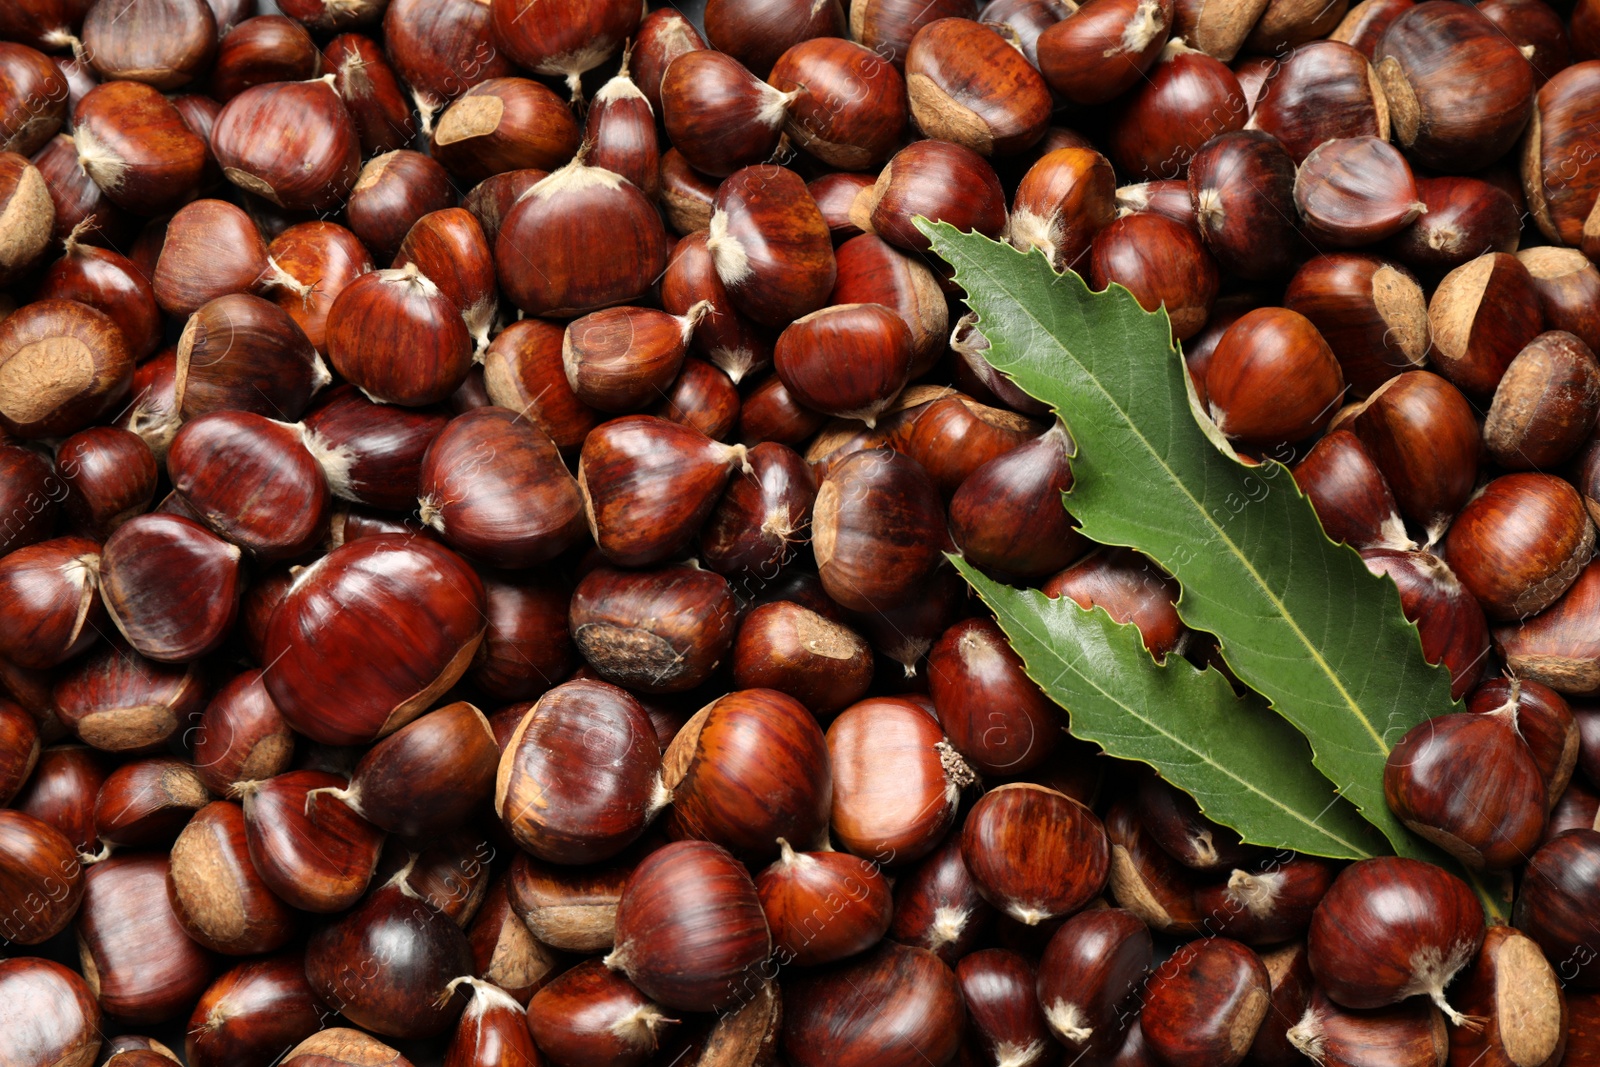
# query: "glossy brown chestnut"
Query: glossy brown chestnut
308,266
1273,379
1372,314
702,398
1557,895
937,180
581,776
1447,614
997,988
141,966
849,360
1409,1033
42,877
49,610
341,1047
418,951
1319,91
407,617
390,311
573,909
62,792
1542,718
252,1013
171,622
1091,972
1186,99
1068,856
1427,58
243,353
163,43
119,701
660,631
504,951
1559,175
1520,543
441,50
1392,928
823,906
895,1007
1217,980
719,115
1422,434
136,146
847,103
545,254
370,90
108,282
748,770
1350,494
991,711
1131,589
1093,57
526,648
504,124
663,36
937,905
1481,316
319,860
393,191
621,359
1242,186
877,530
1353,191
241,736
293,143
690,930
1555,646
1514,990
1464,218
1569,288
522,508
1146,880
215,892
785,646
49,1014
19,748
62,365
1545,403
969,86
1162,263
590,1016
770,245
147,802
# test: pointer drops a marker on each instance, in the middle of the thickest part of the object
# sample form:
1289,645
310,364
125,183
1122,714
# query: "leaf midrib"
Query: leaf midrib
1311,648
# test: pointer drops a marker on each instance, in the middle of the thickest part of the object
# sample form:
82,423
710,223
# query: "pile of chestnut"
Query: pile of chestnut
476,480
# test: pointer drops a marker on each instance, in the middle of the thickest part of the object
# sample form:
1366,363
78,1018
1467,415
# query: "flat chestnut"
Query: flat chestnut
119,701
1319,91
215,891
1520,543
1408,1033
62,365
1482,314
848,105
968,85
1354,191
1422,434
166,620
621,359
690,929
242,353
1371,312
147,802
49,607
370,635
878,530
992,712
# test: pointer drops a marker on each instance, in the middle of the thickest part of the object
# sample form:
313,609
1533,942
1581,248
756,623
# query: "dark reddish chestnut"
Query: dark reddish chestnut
49,608
1465,218
658,631
405,617
621,129
62,365
108,282
565,41
42,877
847,103
590,1016
49,1013
215,892
1556,900
895,1007
241,736
1163,264
370,90
62,792
341,1047
504,124
409,994
1319,91
171,622
664,35
441,49
992,712
504,951
1131,589
1545,404
1555,647
997,988
292,143
770,245
527,647
1186,99
493,1029
308,266
690,930
1520,543
1068,856
147,802
1354,191
1273,379
1092,57
1350,494
1422,434
938,180
389,311
135,145
19,748
1409,1033
785,646
1481,316
318,860
718,114
969,86
243,353
141,965
1568,285
1542,718
119,701
877,530
252,1013
1392,928
823,906
392,192
163,43
1216,980
1514,991
1146,880
573,909
1091,971
1449,617
1372,314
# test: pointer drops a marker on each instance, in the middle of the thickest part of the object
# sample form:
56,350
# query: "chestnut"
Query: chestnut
37,95
1545,403
341,672
1187,98
951,435
997,987
1319,91
1354,191
690,929
1450,619
119,701
62,365
1558,172
292,143
1163,264
62,791
660,631
1242,187
1064,199
566,41
452,876
523,372
621,130
42,876
719,115
1554,647
664,35
1422,434
523,508
992,712
545,254
241,474
370,90
1273,379
144,968
1092,57
135,145
756,742
526,648
341,1047
504,950
823,906
836,195
589,1016
241,736
685,195
847,103
1091,971
785,646
1392,928
1542,718
1568,285
1350,494
1431,58
1131,589
163,43
49,1013
392,192
1006,515
1217,980
1146,880
49,610
895,1007
215,892
19,748
969,86
871,271
168,621
244,353
877,529
1482,314
896,781
769,413
1464,218
504,124
1068,854
1469,784
1556,896
108,282
849,360
937,905
1409,1033
381,313
308,266
581,776
252,1013
440,50
315,860
388,965
1371,312
573,909
619,359
938,180
1520,543
770,246
112,476
147,802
